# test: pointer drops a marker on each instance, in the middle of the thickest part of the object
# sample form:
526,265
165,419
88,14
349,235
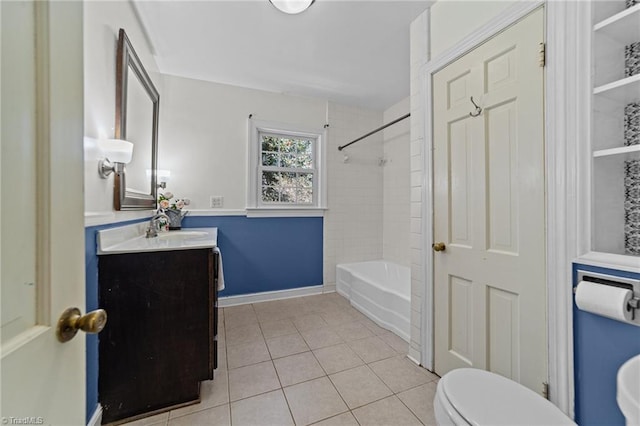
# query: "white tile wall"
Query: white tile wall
419,52
353,224
396,186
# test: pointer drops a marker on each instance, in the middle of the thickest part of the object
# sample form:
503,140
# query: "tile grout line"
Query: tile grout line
277,375
348,344
325,375
226,353
336,389
226,360
410,410
370,402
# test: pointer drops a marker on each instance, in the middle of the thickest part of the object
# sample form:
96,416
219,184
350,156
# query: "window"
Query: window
285,167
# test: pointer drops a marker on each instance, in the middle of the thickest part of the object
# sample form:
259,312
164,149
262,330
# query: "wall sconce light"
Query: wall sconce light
292,7
117,153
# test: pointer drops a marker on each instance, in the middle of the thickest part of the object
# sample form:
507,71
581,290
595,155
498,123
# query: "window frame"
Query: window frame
257,128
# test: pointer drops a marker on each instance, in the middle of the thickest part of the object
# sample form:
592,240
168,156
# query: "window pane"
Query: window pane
287,145
289,160
305,180
303,146
269,143
270,195
288,179
270,178
305,196
288,194
303,162
269,159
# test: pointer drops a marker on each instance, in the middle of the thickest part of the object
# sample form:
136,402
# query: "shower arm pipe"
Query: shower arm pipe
340,148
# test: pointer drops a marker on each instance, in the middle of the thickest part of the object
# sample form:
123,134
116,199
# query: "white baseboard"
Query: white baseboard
96,419
414,356
244,299
330,288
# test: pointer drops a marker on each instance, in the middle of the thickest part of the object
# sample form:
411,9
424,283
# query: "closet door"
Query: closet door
489,208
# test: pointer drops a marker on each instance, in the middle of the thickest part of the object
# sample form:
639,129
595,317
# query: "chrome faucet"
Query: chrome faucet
152,231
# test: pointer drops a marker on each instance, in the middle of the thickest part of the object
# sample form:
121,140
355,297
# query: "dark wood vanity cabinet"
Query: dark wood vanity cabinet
160,339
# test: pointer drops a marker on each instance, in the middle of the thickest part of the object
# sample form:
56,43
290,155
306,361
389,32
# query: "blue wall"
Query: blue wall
601,346
266,254
259,254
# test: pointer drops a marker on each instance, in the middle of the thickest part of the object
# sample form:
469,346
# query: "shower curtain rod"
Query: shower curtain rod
340,148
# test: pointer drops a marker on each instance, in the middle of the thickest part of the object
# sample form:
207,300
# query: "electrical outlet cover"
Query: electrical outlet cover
216,202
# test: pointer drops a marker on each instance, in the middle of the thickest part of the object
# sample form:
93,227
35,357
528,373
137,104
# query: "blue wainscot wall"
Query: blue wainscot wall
266,254
259,255
601,346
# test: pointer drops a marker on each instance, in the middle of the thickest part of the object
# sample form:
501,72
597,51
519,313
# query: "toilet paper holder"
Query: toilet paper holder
612,280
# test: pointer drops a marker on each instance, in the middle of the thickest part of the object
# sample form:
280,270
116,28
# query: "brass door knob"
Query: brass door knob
72,320
438,246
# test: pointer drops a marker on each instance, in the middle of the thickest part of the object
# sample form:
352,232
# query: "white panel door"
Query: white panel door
42,223
489,208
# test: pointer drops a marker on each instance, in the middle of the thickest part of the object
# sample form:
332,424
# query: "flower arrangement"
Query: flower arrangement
167,201
173,208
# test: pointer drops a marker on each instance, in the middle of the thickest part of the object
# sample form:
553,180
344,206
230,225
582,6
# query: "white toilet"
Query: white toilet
469,396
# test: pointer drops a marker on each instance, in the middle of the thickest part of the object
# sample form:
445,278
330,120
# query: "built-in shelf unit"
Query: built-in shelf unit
615,26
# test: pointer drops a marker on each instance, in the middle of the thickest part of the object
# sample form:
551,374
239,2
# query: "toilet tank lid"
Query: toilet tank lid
485,398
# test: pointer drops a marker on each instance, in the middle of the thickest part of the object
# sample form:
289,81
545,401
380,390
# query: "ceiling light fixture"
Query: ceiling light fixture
292,7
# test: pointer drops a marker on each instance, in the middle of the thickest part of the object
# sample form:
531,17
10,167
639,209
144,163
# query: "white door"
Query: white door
489,208
42,223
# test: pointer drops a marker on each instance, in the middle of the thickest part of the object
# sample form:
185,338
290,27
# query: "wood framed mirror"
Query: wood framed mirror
137,116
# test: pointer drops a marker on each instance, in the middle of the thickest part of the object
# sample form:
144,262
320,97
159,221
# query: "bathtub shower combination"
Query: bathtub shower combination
381,290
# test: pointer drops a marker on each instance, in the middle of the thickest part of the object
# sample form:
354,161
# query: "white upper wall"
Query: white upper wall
203,135
102,21
453,20
203,125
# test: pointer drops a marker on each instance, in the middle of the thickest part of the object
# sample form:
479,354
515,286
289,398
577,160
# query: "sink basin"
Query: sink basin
131,239
628,395
181,234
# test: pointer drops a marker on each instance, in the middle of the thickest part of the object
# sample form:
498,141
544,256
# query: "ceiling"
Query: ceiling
351,52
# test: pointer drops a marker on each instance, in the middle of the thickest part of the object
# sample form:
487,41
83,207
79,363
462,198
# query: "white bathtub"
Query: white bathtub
381,290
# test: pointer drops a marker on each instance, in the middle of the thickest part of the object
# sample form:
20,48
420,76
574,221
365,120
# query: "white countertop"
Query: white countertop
132,239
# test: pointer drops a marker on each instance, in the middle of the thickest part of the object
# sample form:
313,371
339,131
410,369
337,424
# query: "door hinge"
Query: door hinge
542,53
545,390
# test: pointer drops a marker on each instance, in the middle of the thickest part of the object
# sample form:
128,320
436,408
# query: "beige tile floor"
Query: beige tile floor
308,360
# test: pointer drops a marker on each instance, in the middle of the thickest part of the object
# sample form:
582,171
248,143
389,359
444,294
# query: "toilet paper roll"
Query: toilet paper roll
605,300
